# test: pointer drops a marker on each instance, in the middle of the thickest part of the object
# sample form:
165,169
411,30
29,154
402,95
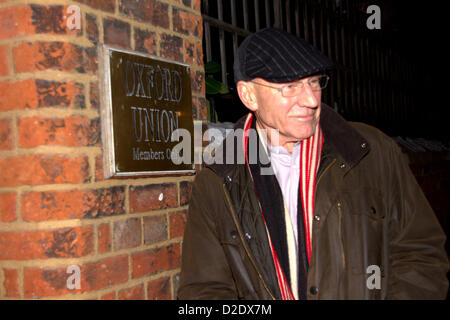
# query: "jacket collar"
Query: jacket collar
339,136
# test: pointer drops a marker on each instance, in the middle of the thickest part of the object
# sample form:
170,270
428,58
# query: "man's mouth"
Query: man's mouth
303,117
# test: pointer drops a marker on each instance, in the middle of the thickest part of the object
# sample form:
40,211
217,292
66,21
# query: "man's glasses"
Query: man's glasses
316,83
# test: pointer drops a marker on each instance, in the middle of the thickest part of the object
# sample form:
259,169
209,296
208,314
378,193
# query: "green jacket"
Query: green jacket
369,211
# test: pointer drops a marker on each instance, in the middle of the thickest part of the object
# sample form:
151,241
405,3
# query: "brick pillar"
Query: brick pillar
57,212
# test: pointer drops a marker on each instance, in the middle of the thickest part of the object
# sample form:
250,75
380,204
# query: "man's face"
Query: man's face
295,117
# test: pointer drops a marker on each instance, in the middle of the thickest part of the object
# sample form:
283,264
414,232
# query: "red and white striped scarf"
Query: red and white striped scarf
310,152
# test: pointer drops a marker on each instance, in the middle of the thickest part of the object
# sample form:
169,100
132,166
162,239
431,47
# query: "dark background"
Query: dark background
419,30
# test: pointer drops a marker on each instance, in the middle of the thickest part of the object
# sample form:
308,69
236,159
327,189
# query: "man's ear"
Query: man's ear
247,95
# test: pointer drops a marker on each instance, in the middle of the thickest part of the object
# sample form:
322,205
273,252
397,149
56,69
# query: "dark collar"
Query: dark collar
339,135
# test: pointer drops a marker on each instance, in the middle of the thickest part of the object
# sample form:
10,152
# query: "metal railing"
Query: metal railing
371,82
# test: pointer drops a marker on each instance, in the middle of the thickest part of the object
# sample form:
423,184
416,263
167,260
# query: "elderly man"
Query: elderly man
340,217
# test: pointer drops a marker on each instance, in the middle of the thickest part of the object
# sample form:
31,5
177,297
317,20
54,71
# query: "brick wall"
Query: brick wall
56,210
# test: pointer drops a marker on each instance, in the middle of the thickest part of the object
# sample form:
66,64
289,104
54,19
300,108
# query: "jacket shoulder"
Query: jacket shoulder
376,138
207,175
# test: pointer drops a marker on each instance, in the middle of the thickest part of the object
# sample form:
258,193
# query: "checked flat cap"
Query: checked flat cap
277,56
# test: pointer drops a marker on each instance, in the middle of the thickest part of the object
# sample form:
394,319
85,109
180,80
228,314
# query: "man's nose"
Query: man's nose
307,98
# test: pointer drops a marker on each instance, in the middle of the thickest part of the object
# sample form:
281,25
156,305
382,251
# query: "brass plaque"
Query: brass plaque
144,100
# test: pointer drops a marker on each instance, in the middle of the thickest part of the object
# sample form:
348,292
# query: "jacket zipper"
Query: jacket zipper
340,233
339,213
233,214
321,175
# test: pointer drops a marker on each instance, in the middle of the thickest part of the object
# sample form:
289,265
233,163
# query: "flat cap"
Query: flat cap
277,56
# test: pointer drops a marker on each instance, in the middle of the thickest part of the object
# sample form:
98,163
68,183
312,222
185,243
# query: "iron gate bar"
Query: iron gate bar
288,13
225,26
257,23
234,23
245,11
267,7
223,54
297,18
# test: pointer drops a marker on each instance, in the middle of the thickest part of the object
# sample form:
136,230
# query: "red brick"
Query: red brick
44,244
135,293
177,222
171,47
195,115
49,282
202,109
11,283
92,31
94,95
155,260
59,56
187,22
46,282
185,192
196,5
6,141
39,169
127,233
104,273
103,5
109,296
74,204
53,20
193,53
148,11
15,22
104,238
159,289
25,20
73,131
99,168
3,61
18,95
198,81
32,94
8,207
155,229
149,197
145,41
116,33
199,110
67,94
